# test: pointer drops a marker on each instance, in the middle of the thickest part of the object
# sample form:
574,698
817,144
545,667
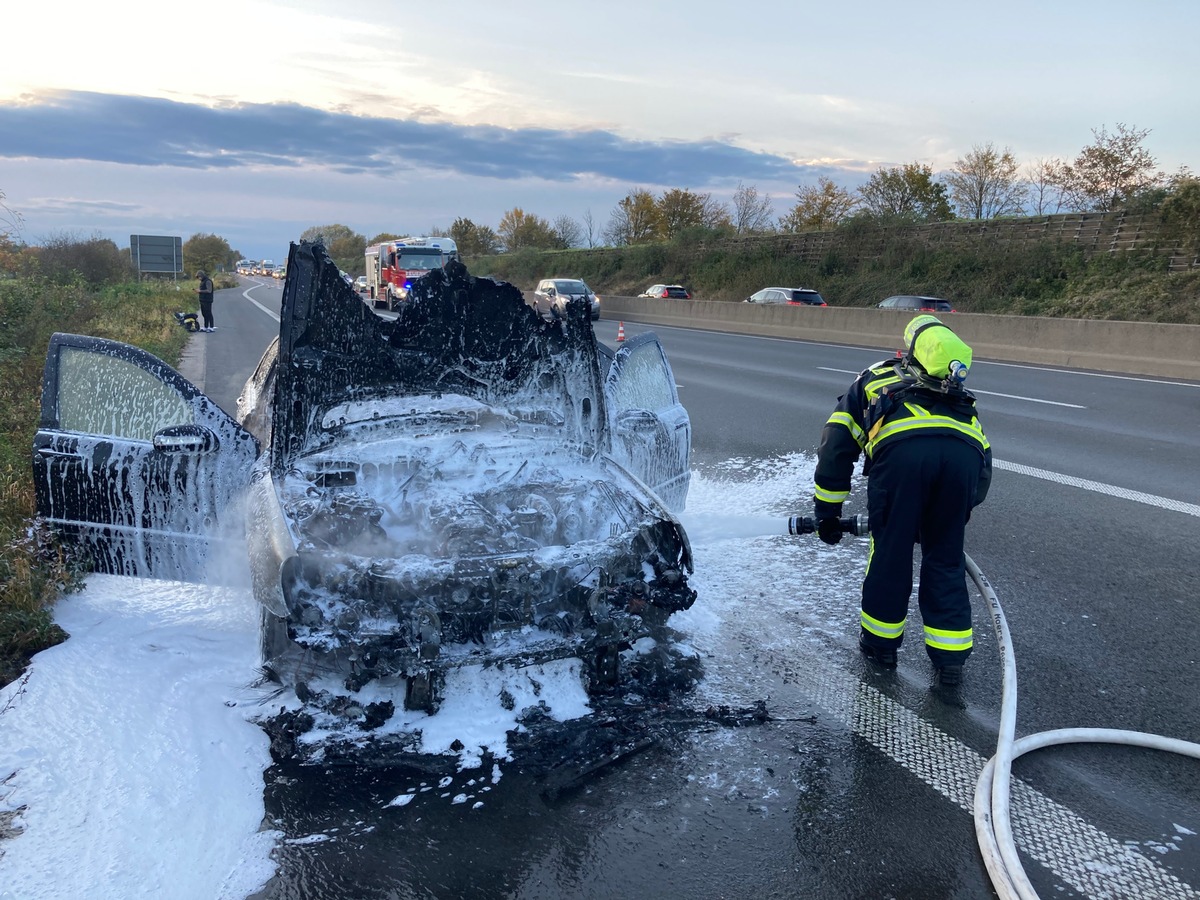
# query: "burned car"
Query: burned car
467,485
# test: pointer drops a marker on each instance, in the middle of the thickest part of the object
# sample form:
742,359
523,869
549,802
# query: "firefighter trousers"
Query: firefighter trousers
920,490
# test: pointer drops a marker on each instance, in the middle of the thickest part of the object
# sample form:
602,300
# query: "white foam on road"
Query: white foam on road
127,761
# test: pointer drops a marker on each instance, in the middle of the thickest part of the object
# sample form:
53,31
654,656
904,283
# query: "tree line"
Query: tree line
1115,171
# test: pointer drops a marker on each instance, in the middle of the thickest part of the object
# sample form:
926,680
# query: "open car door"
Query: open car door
132,461
651,431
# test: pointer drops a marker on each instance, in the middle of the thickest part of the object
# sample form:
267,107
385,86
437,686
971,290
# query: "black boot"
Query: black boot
948,676
884,657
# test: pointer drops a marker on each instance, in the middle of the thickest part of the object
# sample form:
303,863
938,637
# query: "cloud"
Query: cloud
76,205
146,131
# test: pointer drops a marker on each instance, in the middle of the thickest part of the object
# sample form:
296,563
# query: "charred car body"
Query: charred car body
467,485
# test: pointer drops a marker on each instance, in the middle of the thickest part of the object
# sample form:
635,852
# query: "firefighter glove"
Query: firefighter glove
829,529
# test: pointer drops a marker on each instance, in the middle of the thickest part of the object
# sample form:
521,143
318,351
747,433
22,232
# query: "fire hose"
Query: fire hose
993,826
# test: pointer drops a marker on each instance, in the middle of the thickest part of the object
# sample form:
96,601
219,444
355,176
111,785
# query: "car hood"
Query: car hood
458,503
471,337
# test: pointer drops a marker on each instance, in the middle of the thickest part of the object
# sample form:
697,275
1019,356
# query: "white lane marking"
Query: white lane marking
1073,849
1145,378
1100,487
974,391
246,294
1028,399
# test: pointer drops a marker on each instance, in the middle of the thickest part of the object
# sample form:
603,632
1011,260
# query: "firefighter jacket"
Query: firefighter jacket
885,404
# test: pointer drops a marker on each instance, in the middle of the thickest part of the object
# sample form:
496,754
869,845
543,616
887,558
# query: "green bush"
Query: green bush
868,262
33,570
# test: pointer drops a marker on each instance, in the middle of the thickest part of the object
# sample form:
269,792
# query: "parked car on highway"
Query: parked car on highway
788,296
467,485
552,295
666,292
914,301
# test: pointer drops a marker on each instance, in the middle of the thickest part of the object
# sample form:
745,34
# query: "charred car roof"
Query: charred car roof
456,334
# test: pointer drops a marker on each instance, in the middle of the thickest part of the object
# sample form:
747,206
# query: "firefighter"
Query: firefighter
928,464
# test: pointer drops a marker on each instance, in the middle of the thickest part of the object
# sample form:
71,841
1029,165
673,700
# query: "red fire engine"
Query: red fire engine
393,266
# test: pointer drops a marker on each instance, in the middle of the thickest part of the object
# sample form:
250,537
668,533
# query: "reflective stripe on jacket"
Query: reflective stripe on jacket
867,417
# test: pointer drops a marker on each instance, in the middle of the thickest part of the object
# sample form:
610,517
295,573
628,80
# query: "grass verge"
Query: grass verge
34,570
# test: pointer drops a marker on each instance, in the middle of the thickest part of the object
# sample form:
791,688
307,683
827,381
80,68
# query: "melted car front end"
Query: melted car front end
449,496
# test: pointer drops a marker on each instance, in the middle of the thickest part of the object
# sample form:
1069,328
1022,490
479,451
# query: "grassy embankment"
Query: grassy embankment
34,572
1042,279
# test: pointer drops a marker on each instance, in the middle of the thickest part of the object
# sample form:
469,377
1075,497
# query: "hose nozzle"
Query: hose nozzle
856,525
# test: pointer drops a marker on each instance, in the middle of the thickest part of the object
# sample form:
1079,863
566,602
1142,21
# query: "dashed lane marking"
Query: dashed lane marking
1100,487
974,391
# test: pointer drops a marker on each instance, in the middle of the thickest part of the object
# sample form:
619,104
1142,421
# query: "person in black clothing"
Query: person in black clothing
928,464
205,290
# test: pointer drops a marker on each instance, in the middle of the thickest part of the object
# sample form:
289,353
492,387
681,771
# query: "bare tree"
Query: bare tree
985,184
567,231
819,207
590,232
1111,171
1044,186
751,213
10,220
714,213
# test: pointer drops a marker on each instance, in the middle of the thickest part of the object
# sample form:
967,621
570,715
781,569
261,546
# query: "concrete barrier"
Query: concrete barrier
1136,348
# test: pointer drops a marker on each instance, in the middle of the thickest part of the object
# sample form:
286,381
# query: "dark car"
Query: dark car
467,485
552,295
914,301
666,292
788,296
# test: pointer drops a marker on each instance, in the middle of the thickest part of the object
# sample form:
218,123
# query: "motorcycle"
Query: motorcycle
190,321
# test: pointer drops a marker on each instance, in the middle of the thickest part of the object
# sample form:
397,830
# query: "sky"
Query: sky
255,119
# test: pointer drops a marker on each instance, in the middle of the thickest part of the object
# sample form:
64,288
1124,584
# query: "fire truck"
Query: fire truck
393,266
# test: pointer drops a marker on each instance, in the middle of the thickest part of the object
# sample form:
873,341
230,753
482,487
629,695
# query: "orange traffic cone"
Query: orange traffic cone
620,331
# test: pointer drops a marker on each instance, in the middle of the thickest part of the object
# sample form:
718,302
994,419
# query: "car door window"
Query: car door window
134,463
103,395
651,430
643,383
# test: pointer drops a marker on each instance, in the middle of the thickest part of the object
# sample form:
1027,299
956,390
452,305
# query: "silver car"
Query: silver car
552,296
